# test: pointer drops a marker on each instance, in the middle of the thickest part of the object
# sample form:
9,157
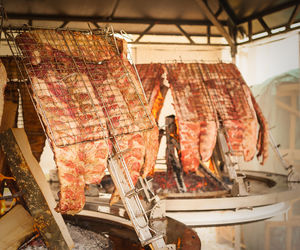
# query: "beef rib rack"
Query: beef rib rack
213,96
89,100
93,110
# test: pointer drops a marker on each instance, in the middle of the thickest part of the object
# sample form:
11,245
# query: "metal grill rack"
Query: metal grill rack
205,86
70,61
84,91
188,84
225,88
213,91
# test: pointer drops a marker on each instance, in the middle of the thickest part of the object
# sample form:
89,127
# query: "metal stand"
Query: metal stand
134,208
239,188
293,176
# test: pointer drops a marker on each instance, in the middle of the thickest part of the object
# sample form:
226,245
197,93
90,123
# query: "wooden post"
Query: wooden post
37,193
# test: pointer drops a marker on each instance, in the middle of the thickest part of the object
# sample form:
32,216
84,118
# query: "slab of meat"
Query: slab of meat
78,165
189,128
203,92
139,151
152,146
84,95
220,71
196,115
189,136
3,77
122,47
234,134
72,113
250,132
150,75
71,177
76,44
263,137
132,92
150,134
207,139
232,99
32,125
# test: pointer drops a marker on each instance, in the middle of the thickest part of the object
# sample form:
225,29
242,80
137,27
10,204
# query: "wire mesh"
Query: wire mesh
225,86
191,96
82,88
207,91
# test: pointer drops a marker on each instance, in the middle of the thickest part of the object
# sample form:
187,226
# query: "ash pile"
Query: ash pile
83,239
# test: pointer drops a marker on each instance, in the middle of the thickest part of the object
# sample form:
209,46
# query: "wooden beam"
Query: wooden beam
269,11
104,19
37,193
96,25
208,34
64,24
219,11
287,93
291,87
177,34
265,26
293,16
288,108
114,9
185,34
230,13
144,32
15,227
250,30
206,11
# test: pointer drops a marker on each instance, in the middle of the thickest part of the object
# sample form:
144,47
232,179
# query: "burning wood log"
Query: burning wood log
37,193
8,121
173,162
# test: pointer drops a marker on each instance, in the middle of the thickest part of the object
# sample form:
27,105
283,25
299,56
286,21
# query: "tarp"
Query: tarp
282,122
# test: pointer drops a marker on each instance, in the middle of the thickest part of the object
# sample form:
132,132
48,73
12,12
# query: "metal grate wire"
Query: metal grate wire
82,88
225,86
187,84
208,91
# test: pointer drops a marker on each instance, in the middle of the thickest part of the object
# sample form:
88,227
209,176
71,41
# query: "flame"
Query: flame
178,243
2,202
210,165
2,177
2,206
177,127
157,105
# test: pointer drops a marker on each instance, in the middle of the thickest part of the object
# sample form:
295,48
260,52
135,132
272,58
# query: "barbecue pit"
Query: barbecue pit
240,187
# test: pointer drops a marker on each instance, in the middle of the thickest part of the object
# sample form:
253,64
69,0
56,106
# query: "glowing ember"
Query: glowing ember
165,182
